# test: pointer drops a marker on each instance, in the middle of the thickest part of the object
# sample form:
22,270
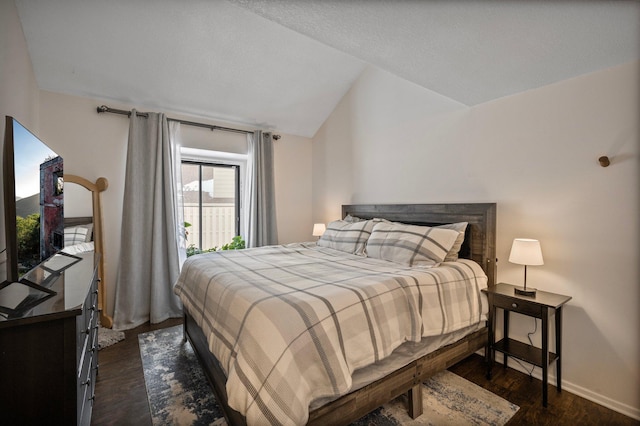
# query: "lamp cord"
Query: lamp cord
535,329
535,325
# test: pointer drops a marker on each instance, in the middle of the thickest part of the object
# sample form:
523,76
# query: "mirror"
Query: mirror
83,228
79,200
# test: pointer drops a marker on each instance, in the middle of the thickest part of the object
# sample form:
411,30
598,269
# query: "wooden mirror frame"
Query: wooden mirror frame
96,189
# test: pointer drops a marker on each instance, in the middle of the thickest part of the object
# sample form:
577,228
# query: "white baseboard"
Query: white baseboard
620,407
605,401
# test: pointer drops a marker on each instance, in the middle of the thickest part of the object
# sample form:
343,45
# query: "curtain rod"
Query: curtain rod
104,108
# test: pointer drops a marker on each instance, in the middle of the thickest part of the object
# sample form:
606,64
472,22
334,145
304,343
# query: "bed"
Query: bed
336,380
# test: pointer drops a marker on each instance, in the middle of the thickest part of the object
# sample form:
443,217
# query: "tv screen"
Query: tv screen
34,200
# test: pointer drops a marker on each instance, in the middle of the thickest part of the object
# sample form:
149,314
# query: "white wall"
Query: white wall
94,145
18,90
292,162
535,155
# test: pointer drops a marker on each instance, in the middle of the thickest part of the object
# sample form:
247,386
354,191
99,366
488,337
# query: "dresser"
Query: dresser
49,350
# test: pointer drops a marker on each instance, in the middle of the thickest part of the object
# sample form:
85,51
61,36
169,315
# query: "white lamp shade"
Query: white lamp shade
318,229
525,251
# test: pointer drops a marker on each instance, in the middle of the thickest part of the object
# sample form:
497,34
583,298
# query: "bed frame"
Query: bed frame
479,245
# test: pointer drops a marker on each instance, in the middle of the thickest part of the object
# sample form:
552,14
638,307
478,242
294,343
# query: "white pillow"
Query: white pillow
352,219
75,235
461,227
410,244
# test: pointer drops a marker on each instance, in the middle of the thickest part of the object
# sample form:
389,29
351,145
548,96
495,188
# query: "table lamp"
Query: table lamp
526,251
318,229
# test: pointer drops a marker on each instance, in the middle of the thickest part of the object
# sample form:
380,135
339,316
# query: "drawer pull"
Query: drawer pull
514,305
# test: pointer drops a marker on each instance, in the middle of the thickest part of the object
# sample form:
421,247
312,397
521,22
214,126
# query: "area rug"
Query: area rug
108,337
179,393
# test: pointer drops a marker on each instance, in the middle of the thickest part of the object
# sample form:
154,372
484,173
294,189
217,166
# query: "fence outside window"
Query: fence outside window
218,223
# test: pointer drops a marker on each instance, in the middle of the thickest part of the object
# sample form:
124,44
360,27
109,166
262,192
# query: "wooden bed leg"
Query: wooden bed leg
184,328
415,401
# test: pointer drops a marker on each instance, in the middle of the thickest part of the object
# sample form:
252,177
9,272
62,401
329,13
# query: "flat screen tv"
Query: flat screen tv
33,200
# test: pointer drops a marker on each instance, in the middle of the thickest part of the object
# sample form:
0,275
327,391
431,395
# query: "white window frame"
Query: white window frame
220,157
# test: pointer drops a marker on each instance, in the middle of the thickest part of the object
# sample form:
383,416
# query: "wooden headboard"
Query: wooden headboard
76,221
480,237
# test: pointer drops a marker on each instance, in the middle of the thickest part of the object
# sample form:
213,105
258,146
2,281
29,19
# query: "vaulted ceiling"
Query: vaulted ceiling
285,64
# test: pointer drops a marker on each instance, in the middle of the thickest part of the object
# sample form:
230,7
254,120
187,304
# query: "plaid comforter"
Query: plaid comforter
290,324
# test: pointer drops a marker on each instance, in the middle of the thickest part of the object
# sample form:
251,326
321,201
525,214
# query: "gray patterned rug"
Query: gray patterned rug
108,337
179,393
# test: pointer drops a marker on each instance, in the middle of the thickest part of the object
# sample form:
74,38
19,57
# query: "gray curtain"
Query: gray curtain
260,205
150,255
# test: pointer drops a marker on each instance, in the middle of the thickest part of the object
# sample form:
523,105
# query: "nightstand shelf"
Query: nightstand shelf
522,351
503,296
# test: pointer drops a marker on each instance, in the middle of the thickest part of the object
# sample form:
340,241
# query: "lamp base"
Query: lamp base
525,291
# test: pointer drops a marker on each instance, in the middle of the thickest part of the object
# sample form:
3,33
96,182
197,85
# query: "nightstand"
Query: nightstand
539,306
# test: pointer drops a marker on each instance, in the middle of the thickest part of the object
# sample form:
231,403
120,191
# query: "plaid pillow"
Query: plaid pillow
75,235
409,244
350,237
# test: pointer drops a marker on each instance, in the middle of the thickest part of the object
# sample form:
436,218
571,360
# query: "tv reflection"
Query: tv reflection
47,216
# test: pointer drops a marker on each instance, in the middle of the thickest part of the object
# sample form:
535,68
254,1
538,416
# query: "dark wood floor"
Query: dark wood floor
563,408
121,397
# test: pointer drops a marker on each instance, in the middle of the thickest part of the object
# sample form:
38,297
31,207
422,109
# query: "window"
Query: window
211,194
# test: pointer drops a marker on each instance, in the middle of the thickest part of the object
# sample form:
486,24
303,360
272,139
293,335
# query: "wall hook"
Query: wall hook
604,161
